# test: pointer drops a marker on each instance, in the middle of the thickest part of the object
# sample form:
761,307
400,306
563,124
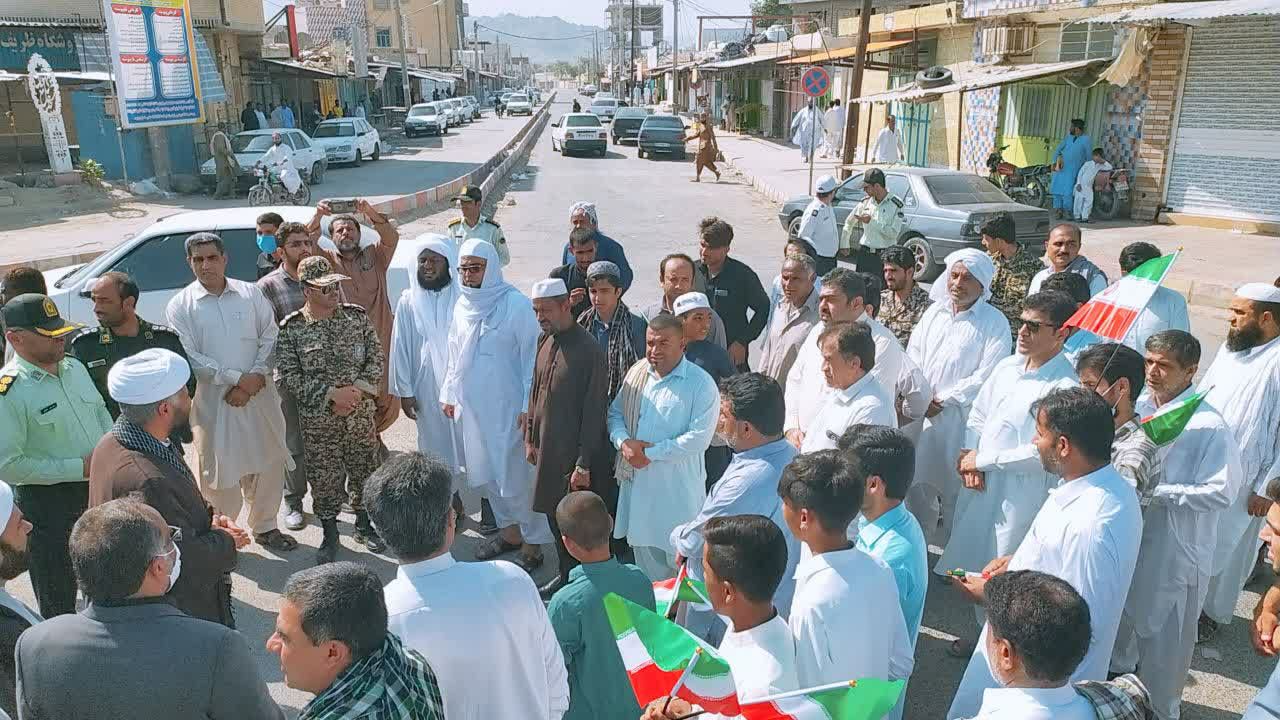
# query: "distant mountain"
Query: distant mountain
538,51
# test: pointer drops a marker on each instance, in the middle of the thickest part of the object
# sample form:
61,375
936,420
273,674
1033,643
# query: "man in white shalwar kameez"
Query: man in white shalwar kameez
1087,533
420,346
1004,483
806,130
229,332
957,343
1200,477
833,124
1243,383
492,343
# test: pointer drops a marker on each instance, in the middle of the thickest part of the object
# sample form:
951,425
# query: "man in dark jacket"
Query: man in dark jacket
733,288
134,457
15,616
249,118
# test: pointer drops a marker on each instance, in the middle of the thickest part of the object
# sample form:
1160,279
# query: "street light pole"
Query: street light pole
675,56
855,90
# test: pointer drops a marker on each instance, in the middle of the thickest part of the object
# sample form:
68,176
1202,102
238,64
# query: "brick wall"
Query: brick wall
1152,147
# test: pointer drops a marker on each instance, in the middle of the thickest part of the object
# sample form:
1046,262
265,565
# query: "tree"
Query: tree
770,7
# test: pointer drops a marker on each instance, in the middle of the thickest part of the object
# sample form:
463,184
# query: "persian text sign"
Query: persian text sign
153,54
57,47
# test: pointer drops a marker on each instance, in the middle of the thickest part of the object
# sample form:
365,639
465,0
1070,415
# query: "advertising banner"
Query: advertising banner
153,55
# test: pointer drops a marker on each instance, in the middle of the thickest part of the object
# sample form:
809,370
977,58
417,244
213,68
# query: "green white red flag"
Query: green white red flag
1168,422
1112,312
868,699
680,588
656,653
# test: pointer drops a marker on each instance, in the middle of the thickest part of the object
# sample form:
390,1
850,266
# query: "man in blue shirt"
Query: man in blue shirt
751,415
583,215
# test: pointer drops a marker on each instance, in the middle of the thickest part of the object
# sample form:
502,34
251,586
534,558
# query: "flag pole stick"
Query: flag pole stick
675,598
1120,342
806,691
688,669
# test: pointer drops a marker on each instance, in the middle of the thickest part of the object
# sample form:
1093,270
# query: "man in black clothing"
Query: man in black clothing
249,118
733,288
582,241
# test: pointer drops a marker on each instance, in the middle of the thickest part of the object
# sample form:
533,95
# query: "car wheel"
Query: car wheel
639,152
793,226
564,150
377,151
317,174
604,152
927,267
408,134
359,159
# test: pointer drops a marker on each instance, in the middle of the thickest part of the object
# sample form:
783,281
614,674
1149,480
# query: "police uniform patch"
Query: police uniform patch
455,221
95,363
6,382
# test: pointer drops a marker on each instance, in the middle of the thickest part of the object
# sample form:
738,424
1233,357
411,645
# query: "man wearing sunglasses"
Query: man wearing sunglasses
330,359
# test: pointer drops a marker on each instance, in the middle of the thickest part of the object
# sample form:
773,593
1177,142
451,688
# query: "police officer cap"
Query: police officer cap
148,377
469,192
826,184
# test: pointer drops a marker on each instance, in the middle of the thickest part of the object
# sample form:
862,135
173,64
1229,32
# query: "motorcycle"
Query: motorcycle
1028,185
270,190
1110,192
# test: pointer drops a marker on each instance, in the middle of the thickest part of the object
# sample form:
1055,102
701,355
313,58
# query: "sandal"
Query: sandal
494,547
276,540
961,648
528,563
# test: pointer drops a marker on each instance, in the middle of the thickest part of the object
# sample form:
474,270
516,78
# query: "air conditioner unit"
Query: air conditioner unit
1007,40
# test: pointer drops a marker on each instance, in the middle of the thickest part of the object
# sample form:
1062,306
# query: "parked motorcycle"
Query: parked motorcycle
1110,193
1028,185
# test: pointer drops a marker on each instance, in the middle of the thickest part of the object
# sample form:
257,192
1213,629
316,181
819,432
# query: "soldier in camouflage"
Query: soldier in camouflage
329,356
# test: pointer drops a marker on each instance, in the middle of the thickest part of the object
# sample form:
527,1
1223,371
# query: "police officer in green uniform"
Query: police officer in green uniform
51,418
121,334
329,356
881,221
472,225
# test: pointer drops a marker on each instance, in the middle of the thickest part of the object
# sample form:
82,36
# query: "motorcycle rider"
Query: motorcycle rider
279,160
577,107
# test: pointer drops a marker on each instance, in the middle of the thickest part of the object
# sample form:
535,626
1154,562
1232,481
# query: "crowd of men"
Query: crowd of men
802,486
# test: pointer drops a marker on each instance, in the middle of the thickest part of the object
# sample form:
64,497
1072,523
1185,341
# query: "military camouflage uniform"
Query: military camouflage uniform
315,357
902,317
1009,286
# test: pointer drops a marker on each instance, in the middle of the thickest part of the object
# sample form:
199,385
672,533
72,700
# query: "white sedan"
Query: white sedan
348,140
579,132
309,159
519,104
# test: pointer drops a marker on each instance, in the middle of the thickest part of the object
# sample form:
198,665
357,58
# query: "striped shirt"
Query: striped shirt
1134,457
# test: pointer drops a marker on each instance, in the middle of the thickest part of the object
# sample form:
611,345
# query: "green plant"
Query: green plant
92,172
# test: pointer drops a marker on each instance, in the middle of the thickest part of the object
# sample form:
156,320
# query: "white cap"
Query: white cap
549,288
6,505
826,184
147,377
1260,292
689,301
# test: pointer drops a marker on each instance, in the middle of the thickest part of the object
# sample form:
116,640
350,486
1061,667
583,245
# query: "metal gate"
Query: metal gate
912,118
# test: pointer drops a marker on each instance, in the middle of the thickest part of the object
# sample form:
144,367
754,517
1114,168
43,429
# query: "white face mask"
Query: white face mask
176,570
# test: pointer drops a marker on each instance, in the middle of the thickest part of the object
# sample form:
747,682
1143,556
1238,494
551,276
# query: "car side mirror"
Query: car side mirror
555,124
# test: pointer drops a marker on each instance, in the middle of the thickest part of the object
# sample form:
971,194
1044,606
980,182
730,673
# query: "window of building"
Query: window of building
381,4
1087,41
382,38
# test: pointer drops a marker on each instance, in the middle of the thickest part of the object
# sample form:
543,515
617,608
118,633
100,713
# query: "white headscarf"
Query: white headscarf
480,307
433,309
588,208
7,600
976,262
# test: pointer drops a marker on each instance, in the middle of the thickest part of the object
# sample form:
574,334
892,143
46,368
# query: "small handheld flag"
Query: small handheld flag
678,589
868,699
1168,422
1113,311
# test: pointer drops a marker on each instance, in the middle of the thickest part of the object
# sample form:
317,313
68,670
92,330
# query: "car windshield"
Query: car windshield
329,130
632,113
582,121
665,122
519,98
963,190
604,103
250,143
422,112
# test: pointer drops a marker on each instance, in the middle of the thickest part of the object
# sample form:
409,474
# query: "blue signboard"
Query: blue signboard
56,46
153,55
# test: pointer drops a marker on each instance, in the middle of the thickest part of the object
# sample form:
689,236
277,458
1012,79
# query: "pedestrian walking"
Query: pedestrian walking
708,149
225,165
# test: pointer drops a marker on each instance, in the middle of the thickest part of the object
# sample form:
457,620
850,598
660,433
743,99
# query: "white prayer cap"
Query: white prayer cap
549,288
976,262
689,301
826,184
6,504
147,377
1259,292
586,207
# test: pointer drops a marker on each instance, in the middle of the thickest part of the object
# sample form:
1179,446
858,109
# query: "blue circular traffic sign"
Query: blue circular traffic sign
815,81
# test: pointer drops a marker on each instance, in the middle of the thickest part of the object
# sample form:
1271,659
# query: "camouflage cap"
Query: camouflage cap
317,271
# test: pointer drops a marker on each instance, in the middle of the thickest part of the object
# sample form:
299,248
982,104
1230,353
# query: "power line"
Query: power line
526,37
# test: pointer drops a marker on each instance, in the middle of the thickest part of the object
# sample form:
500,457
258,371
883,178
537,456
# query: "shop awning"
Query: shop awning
303,70
1189,13
740,62
971,76
826,56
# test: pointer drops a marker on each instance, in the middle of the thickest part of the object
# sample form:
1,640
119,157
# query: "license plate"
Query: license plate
1121,185
662,144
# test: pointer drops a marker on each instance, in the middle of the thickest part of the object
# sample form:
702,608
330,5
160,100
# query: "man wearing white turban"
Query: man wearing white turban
15,616
956,344
492,345
1243,383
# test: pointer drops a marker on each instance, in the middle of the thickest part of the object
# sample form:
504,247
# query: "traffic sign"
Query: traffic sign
815,81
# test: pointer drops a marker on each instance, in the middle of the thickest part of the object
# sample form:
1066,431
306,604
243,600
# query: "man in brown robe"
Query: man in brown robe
567,404
136,457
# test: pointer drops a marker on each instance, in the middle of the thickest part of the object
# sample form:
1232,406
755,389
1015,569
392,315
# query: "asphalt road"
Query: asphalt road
652,208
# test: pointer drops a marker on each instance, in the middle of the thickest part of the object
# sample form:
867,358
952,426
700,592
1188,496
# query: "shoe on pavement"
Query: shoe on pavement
295,520
366,535
1206,629
328,550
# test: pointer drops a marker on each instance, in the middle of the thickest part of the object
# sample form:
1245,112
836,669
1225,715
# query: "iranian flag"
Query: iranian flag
1111,313
854,700
1168,422
663,658
680,588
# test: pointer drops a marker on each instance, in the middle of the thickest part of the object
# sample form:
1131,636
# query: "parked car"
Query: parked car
588,90
626,123
661,134
579,131
308,158
604,108
450,112
944,211
519,104
426,119
348,140
474,105
156,259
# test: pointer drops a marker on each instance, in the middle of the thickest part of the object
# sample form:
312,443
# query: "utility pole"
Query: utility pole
855,90
404,56
631,66
595,57
675,56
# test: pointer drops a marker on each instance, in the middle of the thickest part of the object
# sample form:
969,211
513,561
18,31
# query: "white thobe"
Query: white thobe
281,155
1087,534
1167,310
818,227
992,522
1083,200
833,121
485,632
862,402
226,336
846,620
1060,703
1245,388
762,661
887,147
1200,477
957,352
807,389
806,130
419,360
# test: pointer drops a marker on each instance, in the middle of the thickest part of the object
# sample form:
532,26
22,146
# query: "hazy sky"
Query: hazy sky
591,12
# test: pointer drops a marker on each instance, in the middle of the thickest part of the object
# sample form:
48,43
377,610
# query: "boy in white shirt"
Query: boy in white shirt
1084,184
743,559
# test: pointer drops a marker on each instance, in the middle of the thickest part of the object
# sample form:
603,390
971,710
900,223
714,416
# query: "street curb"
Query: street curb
760,186
489,174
